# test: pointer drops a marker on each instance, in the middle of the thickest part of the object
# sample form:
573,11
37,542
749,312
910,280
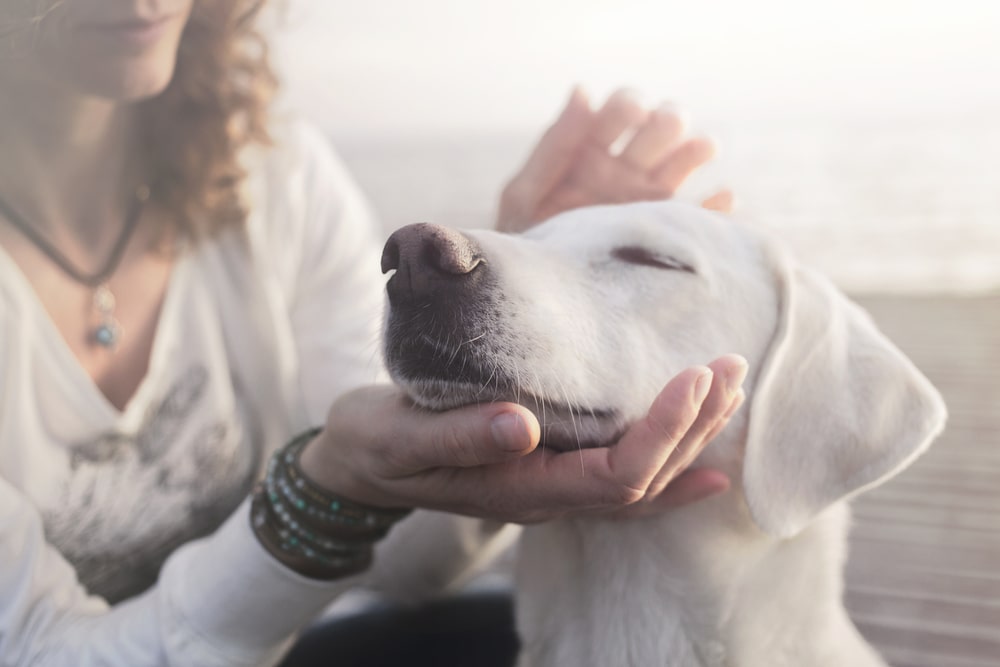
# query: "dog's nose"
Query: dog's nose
430,261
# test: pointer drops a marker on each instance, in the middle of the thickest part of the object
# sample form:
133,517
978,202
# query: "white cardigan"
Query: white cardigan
259,331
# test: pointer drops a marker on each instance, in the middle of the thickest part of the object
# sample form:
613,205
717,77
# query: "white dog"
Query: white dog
583,319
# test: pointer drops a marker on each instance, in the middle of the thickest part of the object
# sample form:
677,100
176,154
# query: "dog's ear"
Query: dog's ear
836,409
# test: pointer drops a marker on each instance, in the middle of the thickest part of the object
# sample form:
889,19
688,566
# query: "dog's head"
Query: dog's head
583,319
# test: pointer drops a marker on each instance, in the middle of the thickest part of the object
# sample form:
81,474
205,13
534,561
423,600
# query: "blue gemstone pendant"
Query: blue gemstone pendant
108,332
106,335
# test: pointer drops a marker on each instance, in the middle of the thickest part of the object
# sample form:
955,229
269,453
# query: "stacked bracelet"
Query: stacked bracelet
315,532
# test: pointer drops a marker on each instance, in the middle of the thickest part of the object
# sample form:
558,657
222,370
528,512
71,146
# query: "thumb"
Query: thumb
469,436
553,156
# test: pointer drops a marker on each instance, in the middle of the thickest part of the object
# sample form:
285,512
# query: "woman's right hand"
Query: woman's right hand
483,460
573,164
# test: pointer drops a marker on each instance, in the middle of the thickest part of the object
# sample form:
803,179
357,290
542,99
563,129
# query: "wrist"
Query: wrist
318,462
315,532
315,464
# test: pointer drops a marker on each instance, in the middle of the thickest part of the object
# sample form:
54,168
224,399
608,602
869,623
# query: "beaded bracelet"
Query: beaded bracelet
315,532
298,555
319,504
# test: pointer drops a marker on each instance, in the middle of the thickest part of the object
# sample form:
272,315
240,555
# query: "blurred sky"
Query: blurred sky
429,65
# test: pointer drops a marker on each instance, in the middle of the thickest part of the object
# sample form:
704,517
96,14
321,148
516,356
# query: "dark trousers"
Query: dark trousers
475,630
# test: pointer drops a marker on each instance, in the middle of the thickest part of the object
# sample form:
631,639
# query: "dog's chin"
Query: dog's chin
562,428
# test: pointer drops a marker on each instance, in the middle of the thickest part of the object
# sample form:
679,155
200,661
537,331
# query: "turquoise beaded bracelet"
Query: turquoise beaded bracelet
315,532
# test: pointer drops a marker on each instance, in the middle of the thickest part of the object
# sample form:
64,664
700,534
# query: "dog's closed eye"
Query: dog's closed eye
644,257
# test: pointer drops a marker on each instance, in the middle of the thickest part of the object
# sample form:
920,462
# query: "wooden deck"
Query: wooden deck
923,580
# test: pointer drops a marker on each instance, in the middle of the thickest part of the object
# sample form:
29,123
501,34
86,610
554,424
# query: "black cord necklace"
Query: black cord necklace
108,331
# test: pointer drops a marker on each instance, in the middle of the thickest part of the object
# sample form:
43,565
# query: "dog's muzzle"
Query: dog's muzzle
442,303
447,342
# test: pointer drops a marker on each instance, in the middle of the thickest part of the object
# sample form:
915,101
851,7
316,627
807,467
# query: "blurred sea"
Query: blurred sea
880,205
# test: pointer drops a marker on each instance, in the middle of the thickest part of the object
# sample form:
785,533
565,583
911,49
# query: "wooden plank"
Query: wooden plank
923,576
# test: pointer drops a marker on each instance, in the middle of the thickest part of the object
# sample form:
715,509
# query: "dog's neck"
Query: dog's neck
643,592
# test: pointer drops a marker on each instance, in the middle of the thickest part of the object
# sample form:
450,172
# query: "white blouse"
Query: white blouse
259,331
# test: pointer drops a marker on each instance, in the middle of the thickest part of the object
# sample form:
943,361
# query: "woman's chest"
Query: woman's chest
108,328
119,490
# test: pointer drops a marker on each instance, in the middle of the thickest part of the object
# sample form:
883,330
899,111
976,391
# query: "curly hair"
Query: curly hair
216,104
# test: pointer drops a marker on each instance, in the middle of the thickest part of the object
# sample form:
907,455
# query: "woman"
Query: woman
185,286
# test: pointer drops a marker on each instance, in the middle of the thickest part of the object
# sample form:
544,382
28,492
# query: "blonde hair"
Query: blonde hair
215,105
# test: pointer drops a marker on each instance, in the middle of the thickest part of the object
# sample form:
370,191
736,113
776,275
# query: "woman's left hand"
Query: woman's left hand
573,164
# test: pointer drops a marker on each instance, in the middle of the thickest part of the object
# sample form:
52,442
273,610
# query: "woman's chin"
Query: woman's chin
136,86
121,82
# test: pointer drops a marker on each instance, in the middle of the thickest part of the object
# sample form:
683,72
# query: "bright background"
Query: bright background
865,132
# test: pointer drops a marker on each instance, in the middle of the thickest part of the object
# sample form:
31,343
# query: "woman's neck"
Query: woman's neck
64,161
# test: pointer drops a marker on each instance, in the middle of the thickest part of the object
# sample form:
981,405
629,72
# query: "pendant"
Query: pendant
106,335
108,332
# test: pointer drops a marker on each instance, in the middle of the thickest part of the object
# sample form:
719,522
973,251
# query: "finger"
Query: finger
474,435
620,112
637,457
653,141
671,173
728,373
723,201
738,401
549,162
689,487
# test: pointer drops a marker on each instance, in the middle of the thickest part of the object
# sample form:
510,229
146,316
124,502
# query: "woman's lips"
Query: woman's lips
135,32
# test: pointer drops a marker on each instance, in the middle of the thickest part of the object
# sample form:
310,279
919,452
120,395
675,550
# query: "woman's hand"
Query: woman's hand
573,166
483,460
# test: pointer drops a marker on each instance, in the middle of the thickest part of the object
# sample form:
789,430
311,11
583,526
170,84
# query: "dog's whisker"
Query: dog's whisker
471,340
573,422
493,374
454,352
517,384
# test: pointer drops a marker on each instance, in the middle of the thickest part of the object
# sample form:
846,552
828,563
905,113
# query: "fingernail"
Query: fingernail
702,385
510,432
735,377
577,100
626,96
577,95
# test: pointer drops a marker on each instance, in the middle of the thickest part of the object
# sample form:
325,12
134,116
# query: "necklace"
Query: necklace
108,331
